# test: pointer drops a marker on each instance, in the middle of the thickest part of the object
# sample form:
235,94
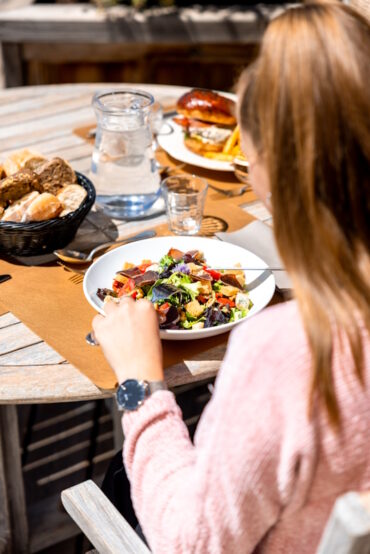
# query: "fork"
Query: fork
230,193
78,274
76,279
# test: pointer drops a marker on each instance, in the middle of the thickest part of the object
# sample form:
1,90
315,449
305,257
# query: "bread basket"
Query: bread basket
42,237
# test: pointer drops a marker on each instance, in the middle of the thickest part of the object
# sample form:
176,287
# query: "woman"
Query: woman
288,428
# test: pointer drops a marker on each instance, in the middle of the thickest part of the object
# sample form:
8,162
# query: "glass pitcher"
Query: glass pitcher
123,167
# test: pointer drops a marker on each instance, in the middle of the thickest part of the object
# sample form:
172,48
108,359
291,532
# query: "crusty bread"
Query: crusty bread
207,105
45,206
52,174
71,197
15,212
15,186
34,162
19,160
2,172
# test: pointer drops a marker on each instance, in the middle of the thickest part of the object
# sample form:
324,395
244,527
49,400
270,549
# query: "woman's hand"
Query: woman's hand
129,337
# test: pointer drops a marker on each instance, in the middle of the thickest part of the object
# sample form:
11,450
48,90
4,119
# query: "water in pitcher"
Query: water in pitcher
123,166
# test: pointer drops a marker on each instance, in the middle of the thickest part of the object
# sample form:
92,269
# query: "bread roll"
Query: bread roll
18,160
71,197
45,206
34,163
54,173
16,211
15,186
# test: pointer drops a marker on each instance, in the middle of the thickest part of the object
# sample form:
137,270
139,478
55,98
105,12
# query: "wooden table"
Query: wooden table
43,118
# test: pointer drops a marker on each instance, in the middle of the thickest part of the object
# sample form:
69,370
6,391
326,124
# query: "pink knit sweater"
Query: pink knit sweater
260,477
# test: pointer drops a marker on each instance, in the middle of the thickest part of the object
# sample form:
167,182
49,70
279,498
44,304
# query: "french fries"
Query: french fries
231,150
231,141
220,156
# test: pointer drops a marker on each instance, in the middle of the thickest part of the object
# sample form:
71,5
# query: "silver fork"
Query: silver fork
230,193
78,274
76,279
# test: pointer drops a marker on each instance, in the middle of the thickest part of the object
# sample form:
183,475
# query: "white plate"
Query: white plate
217,254
171,139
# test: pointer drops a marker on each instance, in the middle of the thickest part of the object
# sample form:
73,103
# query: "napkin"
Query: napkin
259,239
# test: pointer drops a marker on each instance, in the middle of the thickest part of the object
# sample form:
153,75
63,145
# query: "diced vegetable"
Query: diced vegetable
225,301
236,314
144,267
217,286
184,291
216,275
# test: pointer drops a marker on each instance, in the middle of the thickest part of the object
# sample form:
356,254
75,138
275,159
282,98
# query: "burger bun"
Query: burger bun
199,147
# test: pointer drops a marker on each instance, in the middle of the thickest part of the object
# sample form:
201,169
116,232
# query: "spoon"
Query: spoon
77,257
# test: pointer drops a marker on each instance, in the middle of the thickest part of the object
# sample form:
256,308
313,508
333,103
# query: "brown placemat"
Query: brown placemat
54,308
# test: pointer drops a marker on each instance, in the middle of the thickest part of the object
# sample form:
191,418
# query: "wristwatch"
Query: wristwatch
131,394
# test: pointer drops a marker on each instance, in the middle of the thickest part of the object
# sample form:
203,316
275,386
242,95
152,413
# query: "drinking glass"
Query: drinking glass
123,166
184,196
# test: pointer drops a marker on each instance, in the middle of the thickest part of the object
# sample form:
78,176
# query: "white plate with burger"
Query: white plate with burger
204,122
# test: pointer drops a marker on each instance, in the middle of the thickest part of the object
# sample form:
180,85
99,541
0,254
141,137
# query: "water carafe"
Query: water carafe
123,167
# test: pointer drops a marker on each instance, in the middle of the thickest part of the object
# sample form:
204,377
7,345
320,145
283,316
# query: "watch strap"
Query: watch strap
154,386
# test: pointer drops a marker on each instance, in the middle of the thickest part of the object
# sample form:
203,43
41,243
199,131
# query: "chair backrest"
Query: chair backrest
99,520
348,528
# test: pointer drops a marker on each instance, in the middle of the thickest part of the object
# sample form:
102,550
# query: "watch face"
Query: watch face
130,394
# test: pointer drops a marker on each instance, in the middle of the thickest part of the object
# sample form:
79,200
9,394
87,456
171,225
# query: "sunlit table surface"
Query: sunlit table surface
43,118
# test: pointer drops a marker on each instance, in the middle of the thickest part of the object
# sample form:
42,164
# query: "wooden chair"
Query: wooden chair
347,530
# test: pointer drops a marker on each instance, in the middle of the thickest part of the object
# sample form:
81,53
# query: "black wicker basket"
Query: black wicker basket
42,237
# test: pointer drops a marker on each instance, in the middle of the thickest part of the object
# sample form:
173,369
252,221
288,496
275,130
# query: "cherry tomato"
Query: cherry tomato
226,302
213,273
164,307
144,267
127,287
117,285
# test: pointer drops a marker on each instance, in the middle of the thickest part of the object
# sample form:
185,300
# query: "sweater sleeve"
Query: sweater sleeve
226,491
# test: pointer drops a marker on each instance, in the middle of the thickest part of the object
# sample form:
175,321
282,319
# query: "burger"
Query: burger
207,119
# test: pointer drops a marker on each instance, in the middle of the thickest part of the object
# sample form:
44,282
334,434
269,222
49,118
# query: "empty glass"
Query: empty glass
185,196
123,166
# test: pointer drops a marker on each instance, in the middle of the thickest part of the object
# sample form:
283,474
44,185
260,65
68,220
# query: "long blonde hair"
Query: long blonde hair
306,105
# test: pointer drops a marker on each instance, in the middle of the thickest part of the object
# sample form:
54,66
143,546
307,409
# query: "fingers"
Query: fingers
98,319
110,307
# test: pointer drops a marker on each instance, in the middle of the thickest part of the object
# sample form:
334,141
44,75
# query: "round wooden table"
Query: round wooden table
43,119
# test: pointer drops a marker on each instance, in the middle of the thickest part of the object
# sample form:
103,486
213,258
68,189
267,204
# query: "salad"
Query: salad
185,292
